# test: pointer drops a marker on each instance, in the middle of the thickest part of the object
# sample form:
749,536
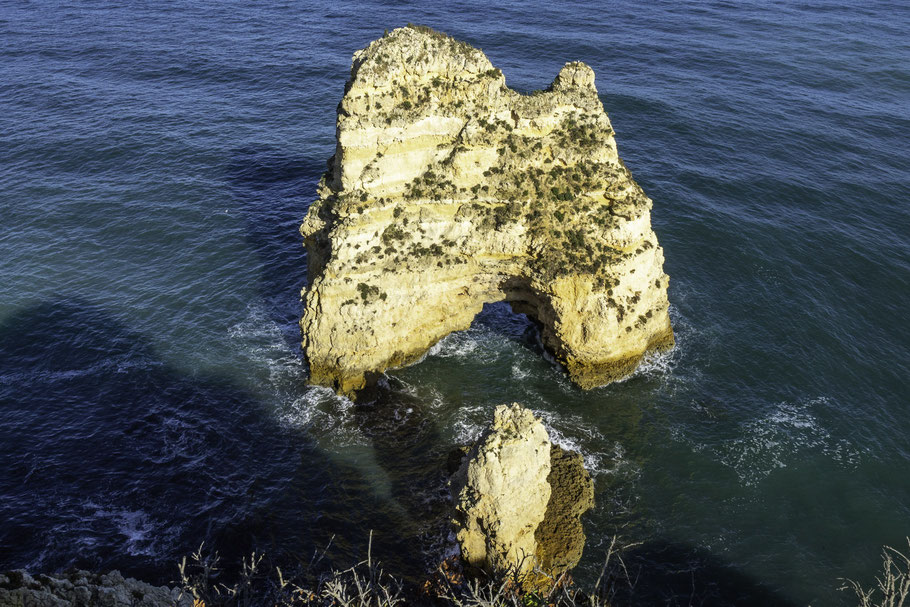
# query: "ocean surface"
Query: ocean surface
157,158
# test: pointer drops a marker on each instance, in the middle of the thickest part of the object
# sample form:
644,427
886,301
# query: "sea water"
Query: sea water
156,159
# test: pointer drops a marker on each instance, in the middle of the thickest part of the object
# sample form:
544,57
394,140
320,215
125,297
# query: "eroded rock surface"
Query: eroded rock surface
501,491
560,536
85,589
519,498
448,190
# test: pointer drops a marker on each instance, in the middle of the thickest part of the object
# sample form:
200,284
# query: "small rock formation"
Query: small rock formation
449,190
518,498
85,589
502,491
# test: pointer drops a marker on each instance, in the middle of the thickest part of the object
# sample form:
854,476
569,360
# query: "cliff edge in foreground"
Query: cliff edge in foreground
448,190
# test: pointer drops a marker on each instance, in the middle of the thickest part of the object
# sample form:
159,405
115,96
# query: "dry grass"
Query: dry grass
363,585
511,589
367,585
893,585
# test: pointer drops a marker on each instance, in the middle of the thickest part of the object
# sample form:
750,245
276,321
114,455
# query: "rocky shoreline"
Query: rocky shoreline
78,588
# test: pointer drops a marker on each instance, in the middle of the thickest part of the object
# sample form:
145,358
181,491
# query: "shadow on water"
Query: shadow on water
273,192
110,459
405,437
675,574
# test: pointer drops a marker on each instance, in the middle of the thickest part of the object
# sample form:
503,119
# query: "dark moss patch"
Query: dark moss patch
560,537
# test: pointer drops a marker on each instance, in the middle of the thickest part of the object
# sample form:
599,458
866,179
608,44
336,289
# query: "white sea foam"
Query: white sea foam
574,434
263,341
143,534
469,423
427,395
663,364
138,529
657,364
331,415
518,372
480,343
453,345
264,344
782,437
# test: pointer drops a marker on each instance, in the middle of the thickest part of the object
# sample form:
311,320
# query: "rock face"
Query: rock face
502,492
518,498
560,536
448,190
85,589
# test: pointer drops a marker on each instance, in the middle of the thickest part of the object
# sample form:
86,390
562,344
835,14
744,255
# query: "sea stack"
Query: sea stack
448,190
519,498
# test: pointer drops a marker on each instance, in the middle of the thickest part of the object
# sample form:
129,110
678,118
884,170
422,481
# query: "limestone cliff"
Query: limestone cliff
448,190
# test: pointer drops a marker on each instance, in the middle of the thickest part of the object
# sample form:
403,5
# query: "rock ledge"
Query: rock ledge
85,589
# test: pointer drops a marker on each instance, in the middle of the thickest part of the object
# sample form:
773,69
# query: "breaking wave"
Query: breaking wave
282,380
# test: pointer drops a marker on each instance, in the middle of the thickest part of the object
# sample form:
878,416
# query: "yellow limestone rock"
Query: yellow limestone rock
519,499
449,190
501,492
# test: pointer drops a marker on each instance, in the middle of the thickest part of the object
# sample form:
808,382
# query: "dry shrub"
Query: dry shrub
892,586
367,585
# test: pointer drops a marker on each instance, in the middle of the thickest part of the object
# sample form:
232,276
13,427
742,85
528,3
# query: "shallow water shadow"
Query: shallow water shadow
404,435
111,459
668,573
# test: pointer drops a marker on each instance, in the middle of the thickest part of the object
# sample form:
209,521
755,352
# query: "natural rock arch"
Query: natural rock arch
448,190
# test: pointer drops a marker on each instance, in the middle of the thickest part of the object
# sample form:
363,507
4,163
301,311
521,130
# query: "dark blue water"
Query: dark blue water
156,159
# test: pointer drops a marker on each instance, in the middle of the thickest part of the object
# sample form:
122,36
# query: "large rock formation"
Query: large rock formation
519,498
448,190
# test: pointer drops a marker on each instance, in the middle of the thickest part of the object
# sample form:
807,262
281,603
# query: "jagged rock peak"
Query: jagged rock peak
449,190
575,75
414,53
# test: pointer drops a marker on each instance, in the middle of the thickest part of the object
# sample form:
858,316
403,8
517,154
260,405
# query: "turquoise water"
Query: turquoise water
157,158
